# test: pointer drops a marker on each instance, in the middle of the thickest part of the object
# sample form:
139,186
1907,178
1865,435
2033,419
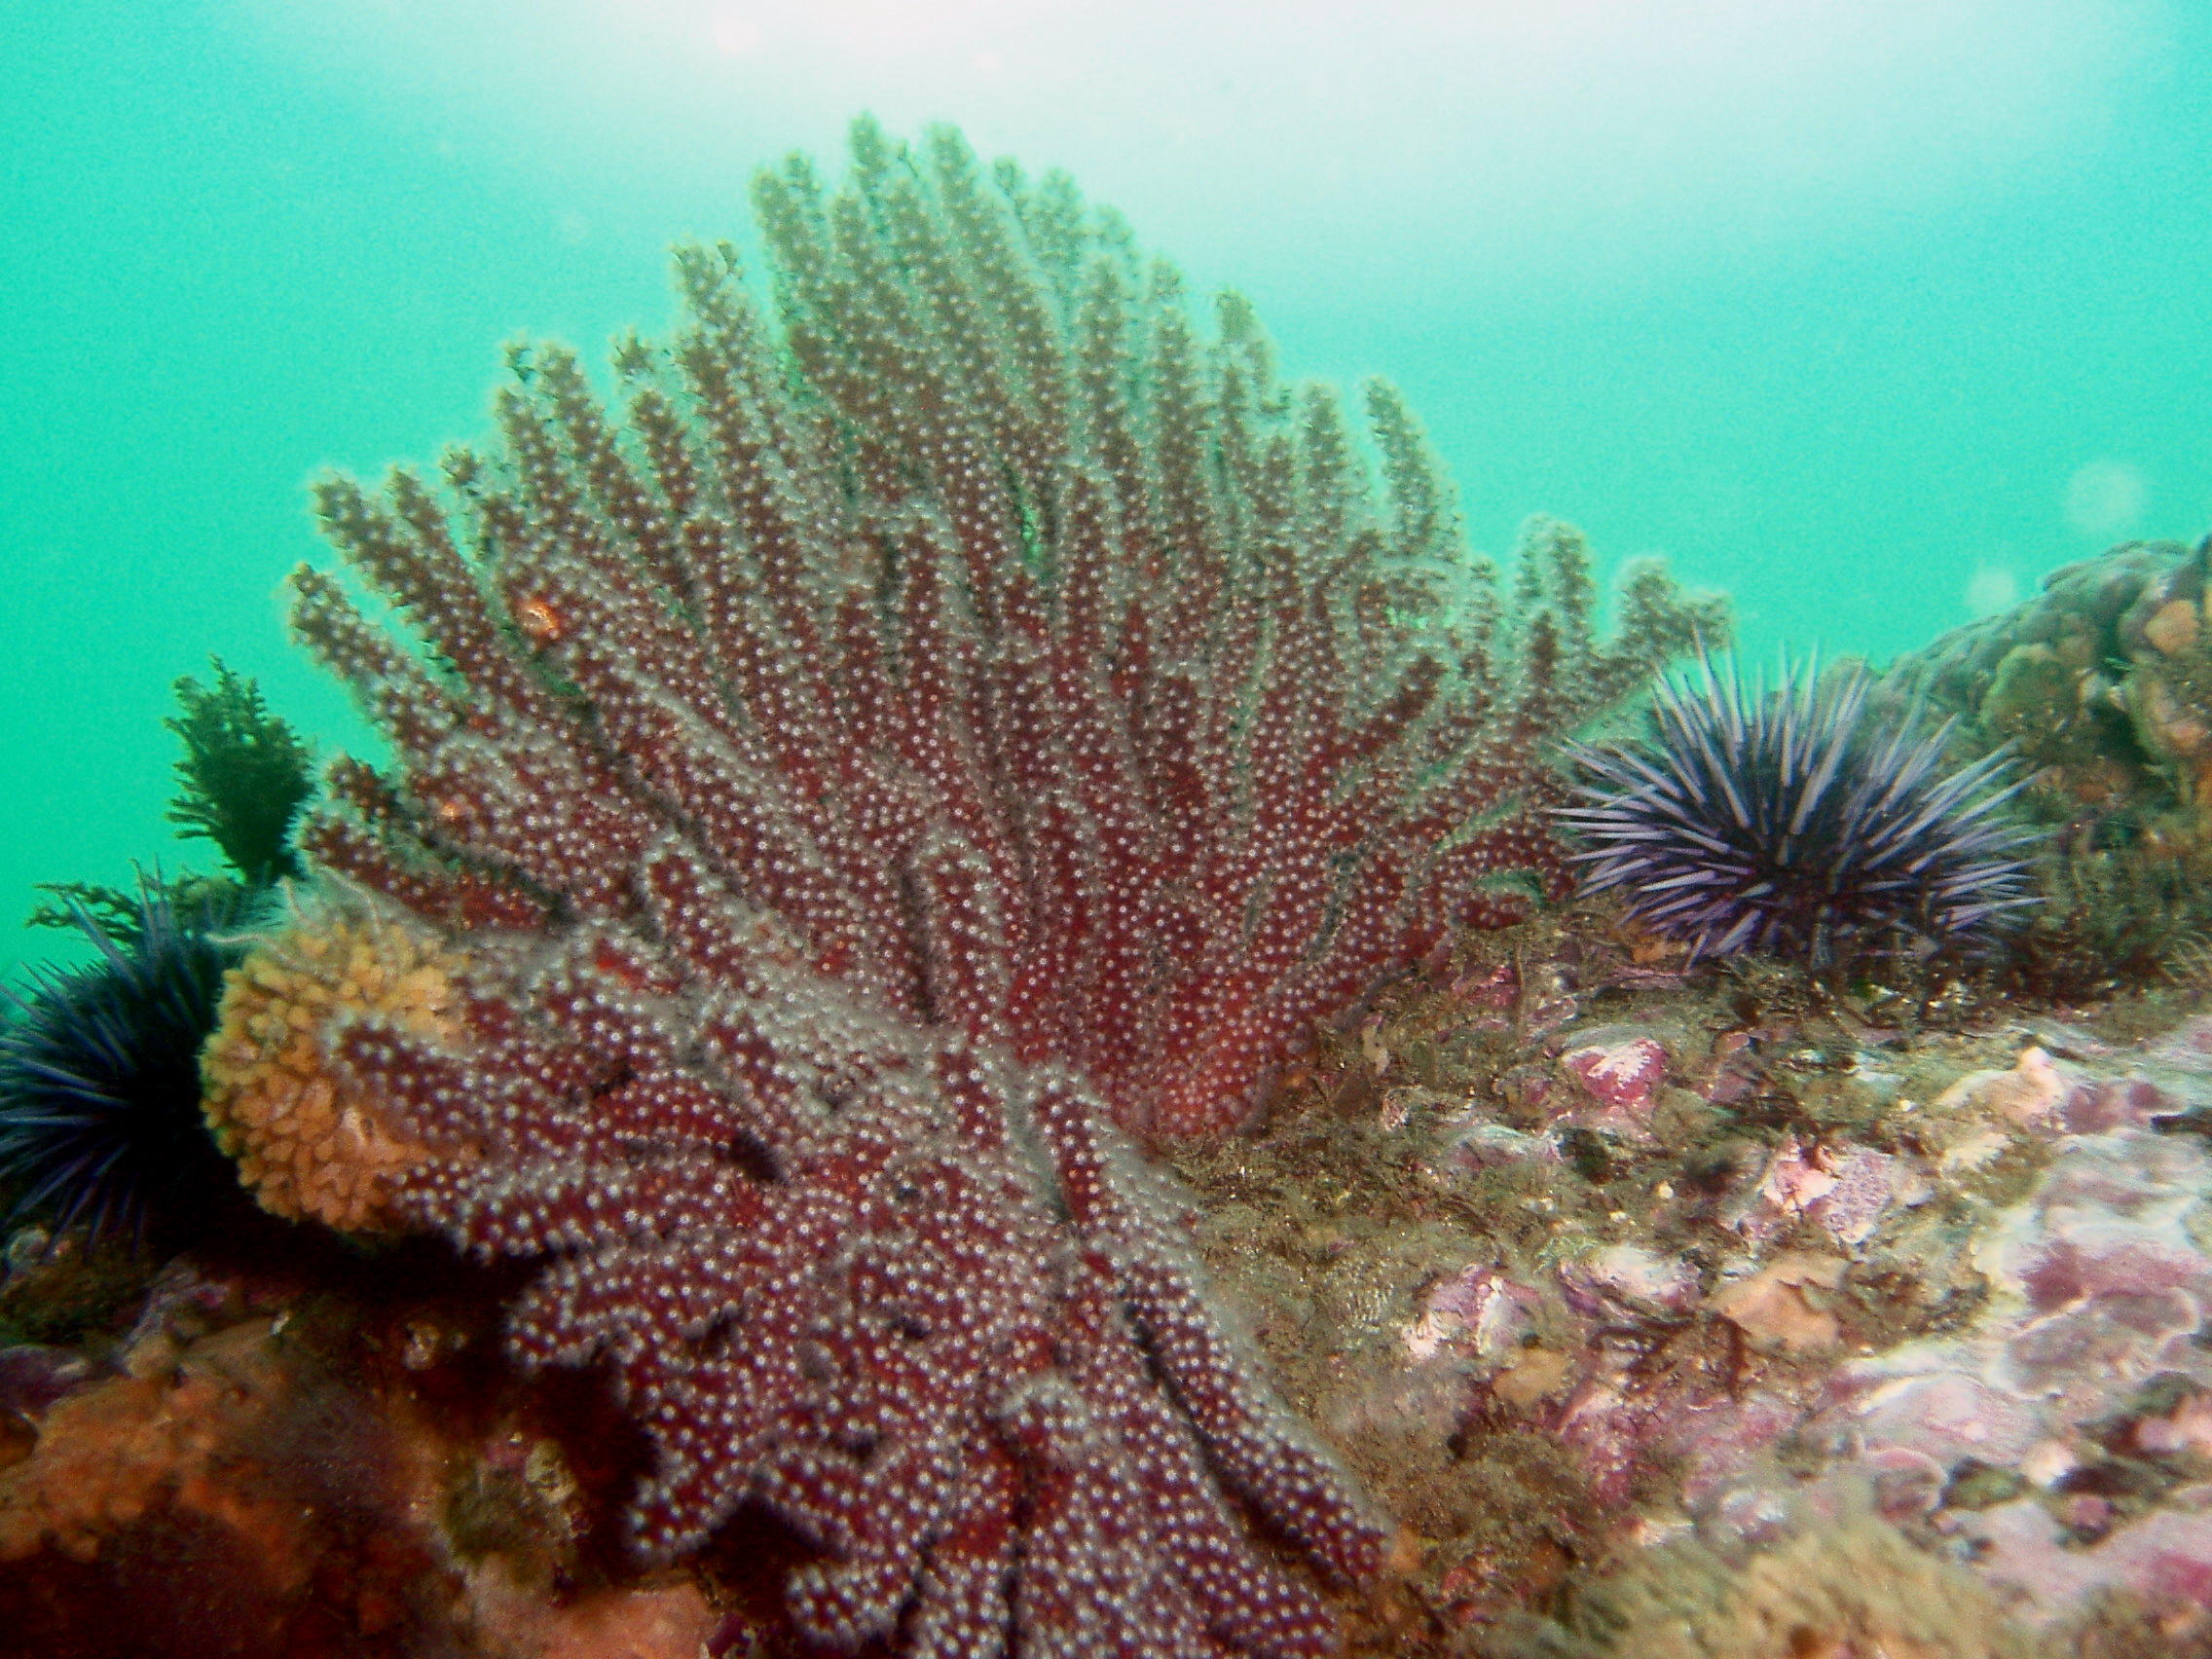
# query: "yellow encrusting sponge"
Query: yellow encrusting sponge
308,1144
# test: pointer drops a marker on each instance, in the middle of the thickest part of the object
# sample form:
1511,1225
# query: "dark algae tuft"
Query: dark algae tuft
246,774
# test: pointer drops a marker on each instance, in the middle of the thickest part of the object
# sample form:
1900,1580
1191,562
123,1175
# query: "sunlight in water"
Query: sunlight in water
1753,122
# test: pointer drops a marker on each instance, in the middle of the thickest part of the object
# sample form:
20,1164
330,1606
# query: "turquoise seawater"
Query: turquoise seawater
1869,312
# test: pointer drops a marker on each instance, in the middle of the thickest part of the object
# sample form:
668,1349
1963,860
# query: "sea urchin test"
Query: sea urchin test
1777,823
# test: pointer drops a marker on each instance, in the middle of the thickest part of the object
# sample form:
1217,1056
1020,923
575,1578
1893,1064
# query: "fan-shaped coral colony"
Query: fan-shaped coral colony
953,724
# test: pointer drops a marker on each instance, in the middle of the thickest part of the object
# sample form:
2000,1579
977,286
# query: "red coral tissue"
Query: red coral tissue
959,709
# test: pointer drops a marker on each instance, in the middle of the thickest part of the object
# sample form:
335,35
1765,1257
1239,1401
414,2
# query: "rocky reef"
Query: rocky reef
2100,689
1666,1313
956,1028
2102,684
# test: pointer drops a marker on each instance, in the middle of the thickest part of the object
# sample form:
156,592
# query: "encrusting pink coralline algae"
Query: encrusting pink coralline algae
957,711
1625,1286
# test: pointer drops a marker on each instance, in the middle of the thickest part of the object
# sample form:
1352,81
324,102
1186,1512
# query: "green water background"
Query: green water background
1869,313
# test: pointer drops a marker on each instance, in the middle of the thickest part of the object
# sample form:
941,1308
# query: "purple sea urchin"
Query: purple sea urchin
1783,823
100,1079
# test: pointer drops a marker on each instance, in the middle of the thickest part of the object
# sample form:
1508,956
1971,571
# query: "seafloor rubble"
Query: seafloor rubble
1622,1290
1724,1314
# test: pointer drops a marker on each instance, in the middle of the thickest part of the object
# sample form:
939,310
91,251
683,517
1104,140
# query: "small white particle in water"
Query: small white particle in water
1991,589
2106,497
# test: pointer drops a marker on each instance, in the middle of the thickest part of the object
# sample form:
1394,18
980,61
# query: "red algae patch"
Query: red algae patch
331,1478
107,1455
